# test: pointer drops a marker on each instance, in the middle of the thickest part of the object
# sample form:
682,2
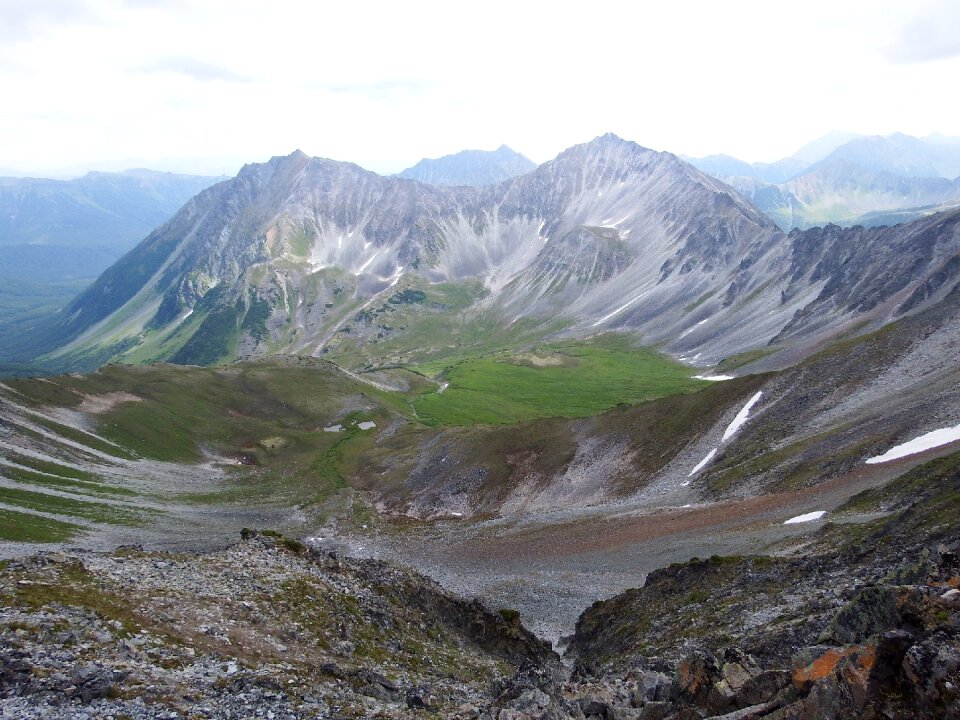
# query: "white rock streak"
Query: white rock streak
702,464
807,517
933,439
619,309
741,417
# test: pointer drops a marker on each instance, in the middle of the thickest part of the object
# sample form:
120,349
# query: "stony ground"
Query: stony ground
265,628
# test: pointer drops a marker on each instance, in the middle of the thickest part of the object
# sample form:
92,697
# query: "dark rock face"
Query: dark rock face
888,651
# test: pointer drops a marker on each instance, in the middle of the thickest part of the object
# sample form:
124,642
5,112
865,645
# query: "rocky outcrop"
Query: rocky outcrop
266,628
877,649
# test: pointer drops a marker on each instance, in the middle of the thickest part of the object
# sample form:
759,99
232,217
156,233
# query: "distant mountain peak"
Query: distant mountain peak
470,167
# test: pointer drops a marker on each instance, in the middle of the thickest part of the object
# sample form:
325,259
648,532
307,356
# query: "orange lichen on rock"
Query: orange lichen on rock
861,656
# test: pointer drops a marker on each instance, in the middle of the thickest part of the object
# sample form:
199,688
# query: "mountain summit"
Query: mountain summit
470,167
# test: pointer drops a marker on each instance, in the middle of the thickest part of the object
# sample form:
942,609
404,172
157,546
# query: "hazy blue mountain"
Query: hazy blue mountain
106,210
843,192
56,236
900,154
775,172
470,167
818,149
850,180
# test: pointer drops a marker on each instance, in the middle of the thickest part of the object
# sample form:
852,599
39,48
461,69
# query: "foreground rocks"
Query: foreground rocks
857,622
266,628
269,629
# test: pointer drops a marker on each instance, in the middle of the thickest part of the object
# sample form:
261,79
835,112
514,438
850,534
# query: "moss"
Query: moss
27,527
294,546
745,358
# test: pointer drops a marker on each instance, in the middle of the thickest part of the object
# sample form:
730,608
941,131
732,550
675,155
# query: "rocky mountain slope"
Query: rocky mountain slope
308,256
470,167
863,623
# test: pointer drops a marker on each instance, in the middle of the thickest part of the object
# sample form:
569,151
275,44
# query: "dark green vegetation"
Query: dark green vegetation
29,527
46,502
565,379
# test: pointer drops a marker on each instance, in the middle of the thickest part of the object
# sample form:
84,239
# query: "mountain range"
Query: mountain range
557,393
849,180
310,256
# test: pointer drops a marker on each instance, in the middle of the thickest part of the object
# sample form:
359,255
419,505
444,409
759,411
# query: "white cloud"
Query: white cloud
933,33
384,83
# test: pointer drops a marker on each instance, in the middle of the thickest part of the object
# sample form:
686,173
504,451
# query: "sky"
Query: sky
205,86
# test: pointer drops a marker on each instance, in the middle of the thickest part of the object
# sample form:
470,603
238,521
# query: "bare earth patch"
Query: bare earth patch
97,404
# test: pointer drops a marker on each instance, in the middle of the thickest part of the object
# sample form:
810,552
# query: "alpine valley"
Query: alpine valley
553,389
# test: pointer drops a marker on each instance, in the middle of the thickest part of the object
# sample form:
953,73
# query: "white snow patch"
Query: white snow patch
806,517
930,440
333,428
367,263
702,464
442,388
713,378
741,417
619,309
366,425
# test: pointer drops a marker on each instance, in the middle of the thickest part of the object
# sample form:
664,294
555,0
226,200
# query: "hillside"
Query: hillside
57,236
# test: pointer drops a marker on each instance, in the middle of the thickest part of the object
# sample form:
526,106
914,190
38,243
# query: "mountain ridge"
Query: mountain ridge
313,248
470,167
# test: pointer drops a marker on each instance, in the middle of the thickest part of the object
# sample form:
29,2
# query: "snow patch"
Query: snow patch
367,263
702,464
930,440
366,425
806,517
741,418
333,428
713,378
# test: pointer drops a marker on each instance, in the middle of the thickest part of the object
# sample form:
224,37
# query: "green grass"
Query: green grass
26,527
85,439
745,358
51,468
564,379
74,486
43,502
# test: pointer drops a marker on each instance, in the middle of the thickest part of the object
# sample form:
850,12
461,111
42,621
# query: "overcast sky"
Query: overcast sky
206,85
